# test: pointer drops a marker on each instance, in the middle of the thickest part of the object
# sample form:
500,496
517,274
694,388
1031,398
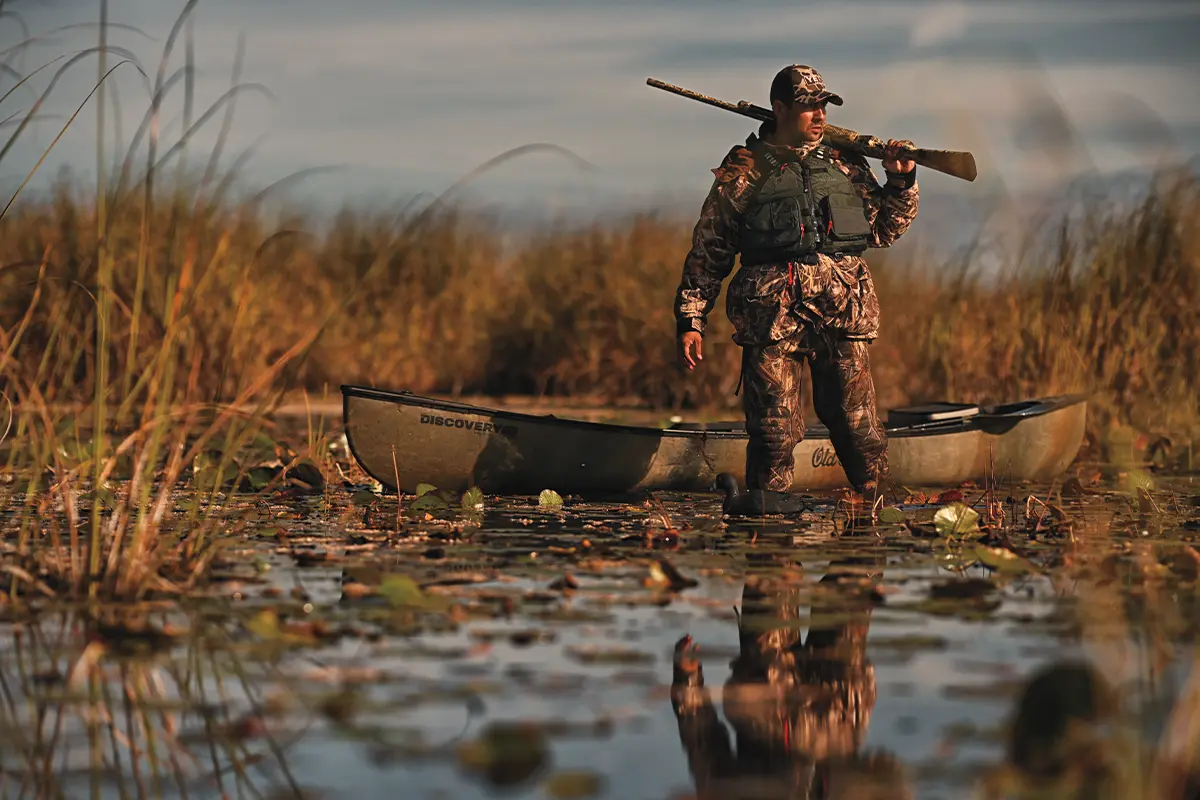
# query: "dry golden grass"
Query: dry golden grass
1104,307
141,318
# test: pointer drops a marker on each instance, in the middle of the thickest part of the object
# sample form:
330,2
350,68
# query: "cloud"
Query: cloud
943,21
410,96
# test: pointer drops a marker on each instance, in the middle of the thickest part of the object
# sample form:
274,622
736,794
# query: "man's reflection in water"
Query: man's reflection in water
799,708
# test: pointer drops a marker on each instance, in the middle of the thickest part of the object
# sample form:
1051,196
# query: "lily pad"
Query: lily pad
257,479
401,591
574,785
262,449
472,500
550,499
506,754
597,654
429,501
212,469
891,516
1001,558
956,519
306,475
102,497
424,489
663,572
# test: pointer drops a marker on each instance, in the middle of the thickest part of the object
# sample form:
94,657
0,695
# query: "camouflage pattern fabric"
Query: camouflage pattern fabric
843,398
807,85
822,308
799,708
770,302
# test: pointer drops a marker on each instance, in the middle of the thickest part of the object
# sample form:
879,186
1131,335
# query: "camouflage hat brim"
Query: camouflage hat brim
830,97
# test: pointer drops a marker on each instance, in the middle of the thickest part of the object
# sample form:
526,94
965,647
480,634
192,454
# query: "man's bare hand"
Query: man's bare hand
690,346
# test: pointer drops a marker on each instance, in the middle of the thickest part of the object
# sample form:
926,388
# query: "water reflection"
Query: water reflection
126,704
799,707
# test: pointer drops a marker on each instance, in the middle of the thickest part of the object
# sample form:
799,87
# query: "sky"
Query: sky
403,97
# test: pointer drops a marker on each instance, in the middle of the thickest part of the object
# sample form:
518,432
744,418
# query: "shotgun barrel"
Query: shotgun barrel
958,163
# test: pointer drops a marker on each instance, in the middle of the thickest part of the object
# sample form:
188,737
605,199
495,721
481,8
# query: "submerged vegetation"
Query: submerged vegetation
150,500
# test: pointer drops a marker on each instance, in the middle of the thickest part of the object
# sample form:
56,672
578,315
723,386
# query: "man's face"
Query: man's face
799,123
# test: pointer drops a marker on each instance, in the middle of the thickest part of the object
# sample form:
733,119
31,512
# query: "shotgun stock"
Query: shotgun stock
950,162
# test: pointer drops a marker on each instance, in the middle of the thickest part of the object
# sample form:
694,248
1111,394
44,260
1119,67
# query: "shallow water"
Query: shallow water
384,696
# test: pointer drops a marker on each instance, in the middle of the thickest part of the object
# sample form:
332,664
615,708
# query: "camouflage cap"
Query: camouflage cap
802,82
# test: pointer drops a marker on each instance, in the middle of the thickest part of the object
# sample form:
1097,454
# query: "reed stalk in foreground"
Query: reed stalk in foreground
138,314
126,477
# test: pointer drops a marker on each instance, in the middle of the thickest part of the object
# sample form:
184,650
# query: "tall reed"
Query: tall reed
111,407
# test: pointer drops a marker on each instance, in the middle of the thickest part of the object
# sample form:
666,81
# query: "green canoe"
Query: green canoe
402,439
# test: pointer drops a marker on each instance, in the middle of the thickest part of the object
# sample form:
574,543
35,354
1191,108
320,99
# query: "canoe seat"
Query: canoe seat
811,430
930,412
715,427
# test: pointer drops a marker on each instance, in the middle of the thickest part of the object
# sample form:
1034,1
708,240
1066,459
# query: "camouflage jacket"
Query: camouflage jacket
770,302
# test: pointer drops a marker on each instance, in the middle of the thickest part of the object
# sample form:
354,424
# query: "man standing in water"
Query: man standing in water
801,214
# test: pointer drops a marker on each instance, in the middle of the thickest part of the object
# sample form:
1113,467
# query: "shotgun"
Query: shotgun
950,162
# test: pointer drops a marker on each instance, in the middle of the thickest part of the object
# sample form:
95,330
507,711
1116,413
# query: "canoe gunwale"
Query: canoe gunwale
989,417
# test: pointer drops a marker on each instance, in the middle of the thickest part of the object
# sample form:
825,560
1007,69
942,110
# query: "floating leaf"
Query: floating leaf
265,624
574,785
472,500
1146,503
1136,480
597,654
342,705
363,497
506,753
424,489
262,450
1001,558
955,519
962,589
257,479
307,475
429,501
550,499
207,460
401,590
101,497
891,516
664,571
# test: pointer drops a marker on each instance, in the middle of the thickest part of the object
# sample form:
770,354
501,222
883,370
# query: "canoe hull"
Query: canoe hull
402,440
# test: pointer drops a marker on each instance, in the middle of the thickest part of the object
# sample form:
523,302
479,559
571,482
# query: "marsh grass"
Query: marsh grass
96,497
1103,308
156,320
143,346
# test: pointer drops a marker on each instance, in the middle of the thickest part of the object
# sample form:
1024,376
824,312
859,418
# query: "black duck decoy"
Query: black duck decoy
758,502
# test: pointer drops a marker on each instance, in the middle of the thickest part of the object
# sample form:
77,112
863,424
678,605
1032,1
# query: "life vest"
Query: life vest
803,207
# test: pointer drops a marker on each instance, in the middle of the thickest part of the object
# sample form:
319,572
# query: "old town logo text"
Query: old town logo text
468,424
824,457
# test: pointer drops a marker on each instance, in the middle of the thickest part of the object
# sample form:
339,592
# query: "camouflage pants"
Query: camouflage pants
843,397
